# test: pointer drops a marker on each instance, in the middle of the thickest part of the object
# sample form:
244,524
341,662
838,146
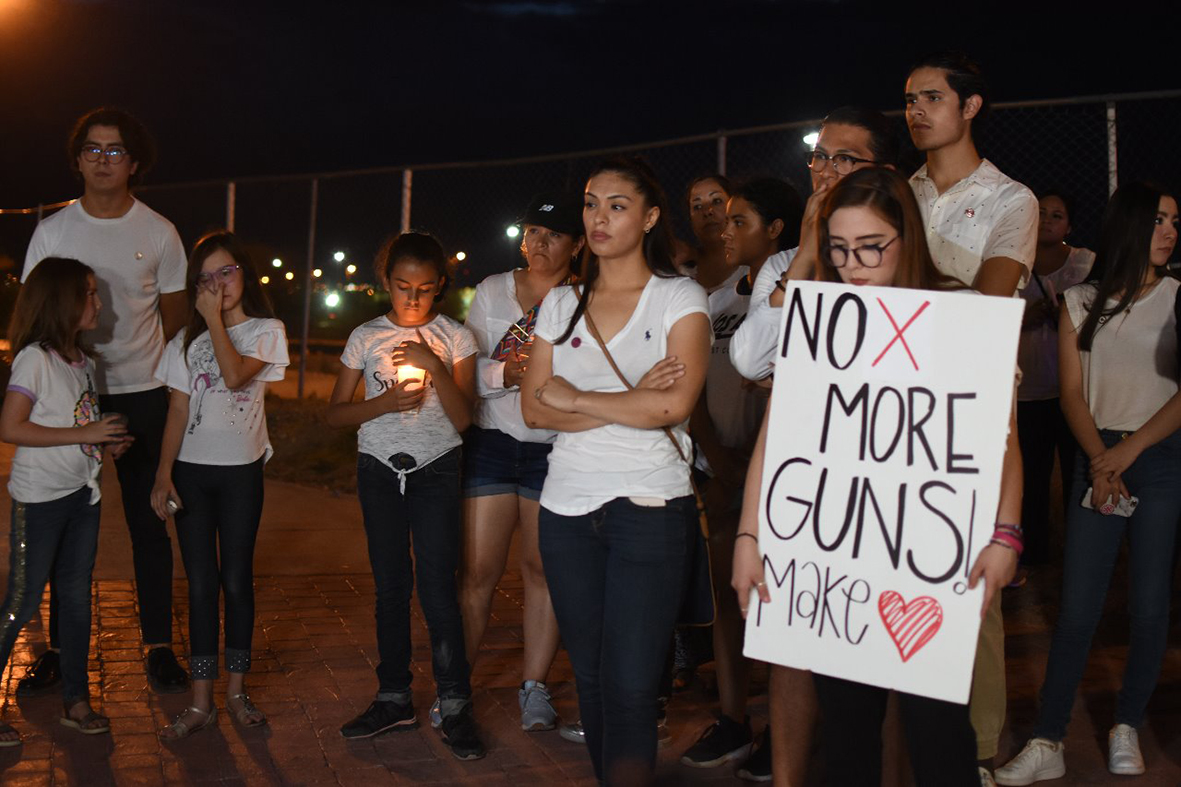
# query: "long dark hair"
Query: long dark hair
49,307
658,241
1122,256
772,199
255,302
888,194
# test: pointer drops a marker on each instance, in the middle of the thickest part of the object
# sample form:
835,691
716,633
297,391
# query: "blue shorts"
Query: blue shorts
497,464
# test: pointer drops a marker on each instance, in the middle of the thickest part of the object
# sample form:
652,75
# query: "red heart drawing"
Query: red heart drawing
910,625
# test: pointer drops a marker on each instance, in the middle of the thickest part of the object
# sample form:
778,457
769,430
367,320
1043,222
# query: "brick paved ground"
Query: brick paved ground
313,669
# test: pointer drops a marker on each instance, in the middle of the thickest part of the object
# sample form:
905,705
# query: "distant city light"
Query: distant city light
289,275
512,230
278,263
338,256
265,279
317,273
351,268
461,255
811,138
332,300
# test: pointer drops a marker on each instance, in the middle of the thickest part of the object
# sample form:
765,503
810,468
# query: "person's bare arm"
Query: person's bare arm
174,432
16,428
538,415
343,411
997,564
174,308
998,276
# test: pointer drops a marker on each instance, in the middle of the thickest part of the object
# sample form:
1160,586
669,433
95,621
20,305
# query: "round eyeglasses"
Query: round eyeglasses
94,154
223,274
868,256
842,163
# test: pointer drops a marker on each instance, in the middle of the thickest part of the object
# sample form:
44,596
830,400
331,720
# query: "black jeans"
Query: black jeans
222,509
427,516
939,736
58,538
1042,430
151,548
617,577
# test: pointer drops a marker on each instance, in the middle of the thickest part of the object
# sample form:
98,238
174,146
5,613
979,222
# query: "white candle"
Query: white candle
410,373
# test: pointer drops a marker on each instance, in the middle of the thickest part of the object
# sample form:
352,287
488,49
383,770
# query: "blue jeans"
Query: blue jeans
1092,547
617,578
217,529
429,512
58,538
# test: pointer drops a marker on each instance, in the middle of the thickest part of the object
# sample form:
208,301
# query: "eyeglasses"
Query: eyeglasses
868,256
94,154
817,160
224,275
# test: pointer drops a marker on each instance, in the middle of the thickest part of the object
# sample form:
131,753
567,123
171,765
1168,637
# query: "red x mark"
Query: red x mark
898,333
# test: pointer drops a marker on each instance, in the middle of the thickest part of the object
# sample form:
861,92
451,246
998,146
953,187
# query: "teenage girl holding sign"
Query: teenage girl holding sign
872,234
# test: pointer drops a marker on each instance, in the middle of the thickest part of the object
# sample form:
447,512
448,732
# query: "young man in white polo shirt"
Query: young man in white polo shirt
982,229
140,264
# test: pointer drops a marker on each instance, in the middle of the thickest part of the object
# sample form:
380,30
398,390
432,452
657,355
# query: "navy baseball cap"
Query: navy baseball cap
555,211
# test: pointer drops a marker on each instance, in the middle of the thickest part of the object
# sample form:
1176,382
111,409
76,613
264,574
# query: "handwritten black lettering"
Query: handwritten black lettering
952,456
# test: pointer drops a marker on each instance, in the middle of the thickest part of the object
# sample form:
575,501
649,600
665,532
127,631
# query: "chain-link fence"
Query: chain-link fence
1080,146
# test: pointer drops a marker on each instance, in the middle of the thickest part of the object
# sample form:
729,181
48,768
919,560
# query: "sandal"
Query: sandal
90,724
6,743
183,729
245,710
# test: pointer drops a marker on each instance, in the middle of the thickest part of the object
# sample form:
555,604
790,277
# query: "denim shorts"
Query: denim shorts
497,464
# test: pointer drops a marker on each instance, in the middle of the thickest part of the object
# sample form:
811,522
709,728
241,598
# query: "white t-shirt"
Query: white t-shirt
736,411
136,258
63,395
1037,355
494,308
752,349
590,468
425,433
225,427
985,215
1131,369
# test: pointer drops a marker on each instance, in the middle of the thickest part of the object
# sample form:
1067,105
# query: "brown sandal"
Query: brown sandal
183,729
90,724
245,710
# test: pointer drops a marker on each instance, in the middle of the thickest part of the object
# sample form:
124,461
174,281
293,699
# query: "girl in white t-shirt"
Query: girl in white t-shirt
617,511
211,458
1117,359
419,368
51,414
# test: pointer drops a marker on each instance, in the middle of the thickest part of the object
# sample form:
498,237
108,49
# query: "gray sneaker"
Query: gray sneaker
573,732
536,711
436,714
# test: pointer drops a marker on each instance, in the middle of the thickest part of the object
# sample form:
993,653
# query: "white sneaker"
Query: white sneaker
986,779
1123,751
1040,759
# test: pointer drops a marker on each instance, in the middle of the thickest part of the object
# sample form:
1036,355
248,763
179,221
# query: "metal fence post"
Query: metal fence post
1112,164
407,180
231,204
307,286
721,154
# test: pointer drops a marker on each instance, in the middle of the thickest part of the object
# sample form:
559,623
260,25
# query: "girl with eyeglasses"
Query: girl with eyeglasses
871,234
211,460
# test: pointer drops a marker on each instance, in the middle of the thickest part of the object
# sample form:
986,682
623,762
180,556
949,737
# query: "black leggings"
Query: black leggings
222,508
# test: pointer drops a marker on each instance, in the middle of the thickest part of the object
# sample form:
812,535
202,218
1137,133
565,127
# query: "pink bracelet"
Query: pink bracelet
1006,540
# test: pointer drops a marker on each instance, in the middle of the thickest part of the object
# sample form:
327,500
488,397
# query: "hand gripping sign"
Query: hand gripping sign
890,411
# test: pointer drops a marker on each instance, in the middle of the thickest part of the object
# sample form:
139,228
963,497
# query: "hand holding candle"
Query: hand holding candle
414,361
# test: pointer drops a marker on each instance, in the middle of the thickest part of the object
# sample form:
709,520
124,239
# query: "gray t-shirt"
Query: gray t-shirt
425,433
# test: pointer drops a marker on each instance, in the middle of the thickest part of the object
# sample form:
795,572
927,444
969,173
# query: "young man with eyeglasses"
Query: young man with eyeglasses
982,229
850,138
139,262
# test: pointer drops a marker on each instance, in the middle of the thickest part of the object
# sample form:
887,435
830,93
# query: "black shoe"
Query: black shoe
721,743
381,716
459,732
165,674
758,767
42,677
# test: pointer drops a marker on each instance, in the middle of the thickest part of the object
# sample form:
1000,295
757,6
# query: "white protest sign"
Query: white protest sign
889,416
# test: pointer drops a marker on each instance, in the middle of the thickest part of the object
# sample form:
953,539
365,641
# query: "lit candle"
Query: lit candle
410,373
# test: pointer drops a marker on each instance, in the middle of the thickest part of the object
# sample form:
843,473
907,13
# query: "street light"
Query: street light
278,263
289,275
265,279
317,273
512,230
811,138
350,269
338,256
332,300
461,255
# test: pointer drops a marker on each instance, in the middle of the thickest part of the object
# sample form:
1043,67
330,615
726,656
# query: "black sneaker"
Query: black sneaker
721,743
381,716
757,768
459,732
165,674
42,677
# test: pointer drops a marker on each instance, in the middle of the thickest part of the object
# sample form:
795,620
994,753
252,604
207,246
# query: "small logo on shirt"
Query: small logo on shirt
139,255
969,212
575,342
647,335
546,208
